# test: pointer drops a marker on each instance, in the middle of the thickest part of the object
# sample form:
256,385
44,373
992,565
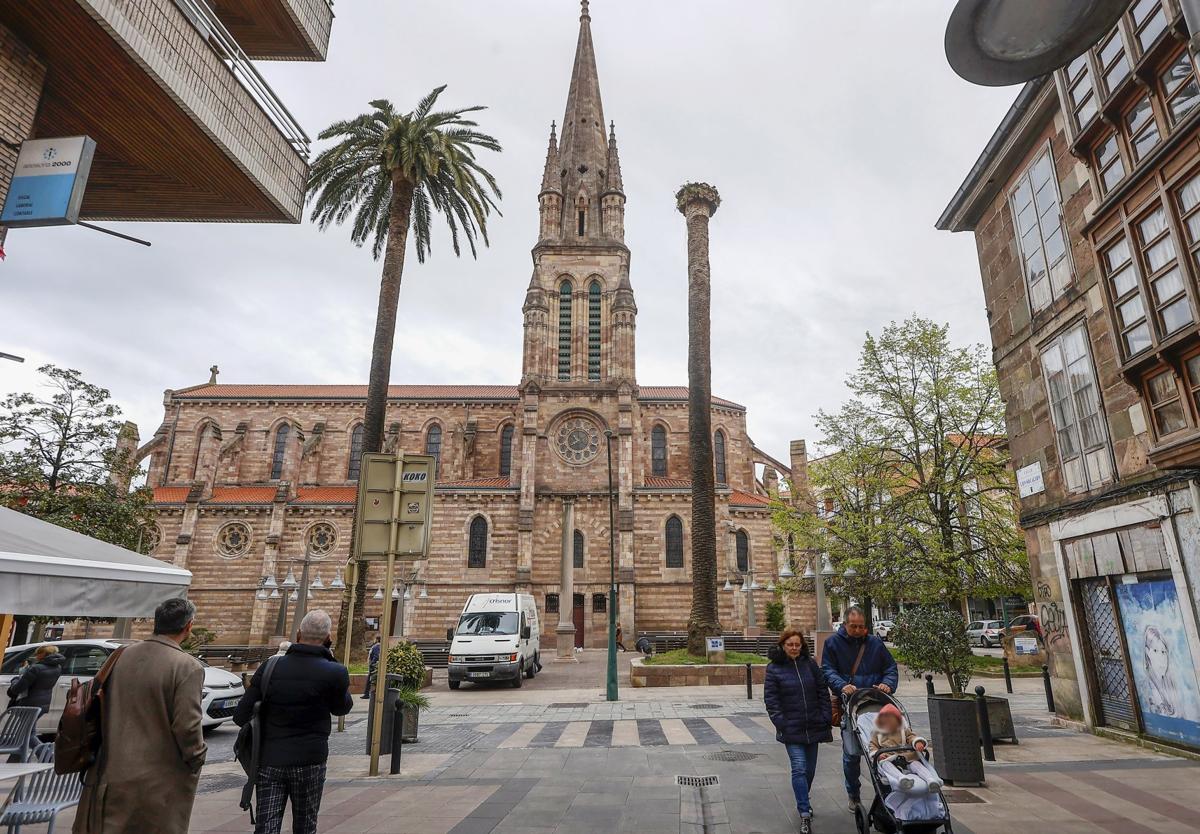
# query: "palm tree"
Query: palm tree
391,171
698,202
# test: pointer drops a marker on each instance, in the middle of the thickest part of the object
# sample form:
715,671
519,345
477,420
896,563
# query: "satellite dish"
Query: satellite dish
1000,42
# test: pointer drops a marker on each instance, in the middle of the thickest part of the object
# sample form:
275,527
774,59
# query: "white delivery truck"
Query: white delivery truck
498,638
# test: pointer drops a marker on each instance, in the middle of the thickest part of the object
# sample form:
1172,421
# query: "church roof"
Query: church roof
737,497
452,393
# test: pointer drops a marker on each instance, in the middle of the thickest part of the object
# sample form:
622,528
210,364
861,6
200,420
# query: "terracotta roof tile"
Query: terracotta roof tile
678,392
170,494
737,498
346,392
477,483
326,495
242,495
659,482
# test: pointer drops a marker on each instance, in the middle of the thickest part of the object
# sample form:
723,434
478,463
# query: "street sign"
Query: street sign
716,644
48,182
1029,480
395,507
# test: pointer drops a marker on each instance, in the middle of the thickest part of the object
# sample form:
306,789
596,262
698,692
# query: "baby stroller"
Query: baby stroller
861,709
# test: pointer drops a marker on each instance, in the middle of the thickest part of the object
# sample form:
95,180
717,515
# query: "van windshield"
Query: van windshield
489,622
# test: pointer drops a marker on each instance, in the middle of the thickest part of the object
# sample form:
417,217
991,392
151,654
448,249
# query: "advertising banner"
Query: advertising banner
48,182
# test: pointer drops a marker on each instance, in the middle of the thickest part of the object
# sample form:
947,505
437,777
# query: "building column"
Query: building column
565,631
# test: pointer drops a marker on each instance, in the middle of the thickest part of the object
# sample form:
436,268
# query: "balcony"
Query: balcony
278,30
185,128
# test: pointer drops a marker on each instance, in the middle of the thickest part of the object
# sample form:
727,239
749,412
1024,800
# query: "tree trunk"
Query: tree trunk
704,621
399,213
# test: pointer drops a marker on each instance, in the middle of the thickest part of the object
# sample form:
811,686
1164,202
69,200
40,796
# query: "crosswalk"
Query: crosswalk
639,732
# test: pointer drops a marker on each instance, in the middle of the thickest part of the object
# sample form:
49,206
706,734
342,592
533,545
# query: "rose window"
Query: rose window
578,440
322,538
233,540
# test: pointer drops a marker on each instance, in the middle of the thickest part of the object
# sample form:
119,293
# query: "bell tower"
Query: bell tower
579,310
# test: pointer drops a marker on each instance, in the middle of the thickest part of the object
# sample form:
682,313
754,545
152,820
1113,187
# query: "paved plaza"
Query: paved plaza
555,757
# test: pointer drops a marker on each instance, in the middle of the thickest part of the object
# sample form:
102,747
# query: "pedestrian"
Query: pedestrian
797,699
307,686
853,659
35,686
620,645
152,746
372,662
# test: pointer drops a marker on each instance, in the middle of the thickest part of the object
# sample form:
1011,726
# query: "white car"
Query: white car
221,693
883,629
984,633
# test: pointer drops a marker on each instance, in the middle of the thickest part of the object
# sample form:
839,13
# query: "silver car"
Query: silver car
220,696
984,633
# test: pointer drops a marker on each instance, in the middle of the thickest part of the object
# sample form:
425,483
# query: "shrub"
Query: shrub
934,639
404,659
198,639
776,619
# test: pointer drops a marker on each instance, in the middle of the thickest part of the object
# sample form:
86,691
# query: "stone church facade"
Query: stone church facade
247,478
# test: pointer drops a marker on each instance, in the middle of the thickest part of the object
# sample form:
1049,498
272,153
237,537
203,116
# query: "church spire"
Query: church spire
583,153
614,182
550,177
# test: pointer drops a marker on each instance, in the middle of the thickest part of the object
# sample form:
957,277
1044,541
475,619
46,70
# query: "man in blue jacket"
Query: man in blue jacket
853,659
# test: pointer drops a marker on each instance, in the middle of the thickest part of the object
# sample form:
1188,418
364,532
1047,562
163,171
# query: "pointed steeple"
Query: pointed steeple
614,184
551,178
584,150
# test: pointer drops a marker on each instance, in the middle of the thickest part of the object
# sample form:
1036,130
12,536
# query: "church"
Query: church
248,479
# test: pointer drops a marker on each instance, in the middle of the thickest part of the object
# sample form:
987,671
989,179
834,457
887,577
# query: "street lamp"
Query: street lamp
611,687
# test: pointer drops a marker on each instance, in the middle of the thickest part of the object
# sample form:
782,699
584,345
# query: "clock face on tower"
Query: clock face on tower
577,440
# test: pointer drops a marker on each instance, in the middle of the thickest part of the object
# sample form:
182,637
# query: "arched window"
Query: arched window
506,440
791,552
658,450
743,551
356,441
433,446
206,431
719,455
477,543
594,331
564,330
674,542
281,440
578,550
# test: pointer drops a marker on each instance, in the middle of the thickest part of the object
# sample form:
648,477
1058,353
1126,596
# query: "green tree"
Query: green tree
389,172
58,453
933,639
697,202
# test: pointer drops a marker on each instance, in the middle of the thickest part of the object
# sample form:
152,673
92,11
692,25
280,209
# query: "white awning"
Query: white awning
47,569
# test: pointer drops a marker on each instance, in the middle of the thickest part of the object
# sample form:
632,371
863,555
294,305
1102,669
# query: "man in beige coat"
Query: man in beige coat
153,748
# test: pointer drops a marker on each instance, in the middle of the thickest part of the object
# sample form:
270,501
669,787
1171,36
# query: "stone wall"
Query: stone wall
642,674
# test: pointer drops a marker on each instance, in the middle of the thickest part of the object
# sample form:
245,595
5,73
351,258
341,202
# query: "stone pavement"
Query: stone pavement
555,757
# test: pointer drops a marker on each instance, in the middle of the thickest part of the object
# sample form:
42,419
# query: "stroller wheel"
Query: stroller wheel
947,828
861,820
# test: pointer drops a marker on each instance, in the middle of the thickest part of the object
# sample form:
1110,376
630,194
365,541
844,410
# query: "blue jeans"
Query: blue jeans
851,757
804,769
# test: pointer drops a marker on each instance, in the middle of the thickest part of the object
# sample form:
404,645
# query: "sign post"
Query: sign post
395,505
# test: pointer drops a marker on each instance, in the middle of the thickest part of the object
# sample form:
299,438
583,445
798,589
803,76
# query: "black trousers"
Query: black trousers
276,785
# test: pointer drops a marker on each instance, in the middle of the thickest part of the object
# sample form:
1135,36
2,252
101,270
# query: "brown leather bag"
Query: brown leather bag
835,698
78,739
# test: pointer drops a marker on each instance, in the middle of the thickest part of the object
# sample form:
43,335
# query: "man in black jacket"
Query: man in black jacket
307,686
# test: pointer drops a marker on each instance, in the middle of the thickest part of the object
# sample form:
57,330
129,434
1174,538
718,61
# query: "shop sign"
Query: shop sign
48,182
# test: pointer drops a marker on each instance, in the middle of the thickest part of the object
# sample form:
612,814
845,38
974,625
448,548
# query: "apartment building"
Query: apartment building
1085,206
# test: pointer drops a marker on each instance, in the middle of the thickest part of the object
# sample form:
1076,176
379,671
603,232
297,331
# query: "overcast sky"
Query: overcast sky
835,132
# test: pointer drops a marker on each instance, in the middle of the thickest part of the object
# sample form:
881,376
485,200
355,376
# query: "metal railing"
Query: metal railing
210,27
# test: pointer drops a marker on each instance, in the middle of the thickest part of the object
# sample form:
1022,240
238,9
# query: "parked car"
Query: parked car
498,639
1025,622
984,633
220,696
884,629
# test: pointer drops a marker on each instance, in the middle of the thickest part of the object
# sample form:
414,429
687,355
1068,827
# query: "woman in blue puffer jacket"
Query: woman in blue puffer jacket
797,698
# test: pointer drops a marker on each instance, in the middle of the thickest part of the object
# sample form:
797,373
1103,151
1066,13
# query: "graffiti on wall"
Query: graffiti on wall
1053,619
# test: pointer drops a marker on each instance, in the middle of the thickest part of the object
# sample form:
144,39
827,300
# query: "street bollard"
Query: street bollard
929,685
1049,691
985,726
1007,677
749,682
397,737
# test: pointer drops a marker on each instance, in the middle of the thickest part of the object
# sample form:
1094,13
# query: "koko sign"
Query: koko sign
48,183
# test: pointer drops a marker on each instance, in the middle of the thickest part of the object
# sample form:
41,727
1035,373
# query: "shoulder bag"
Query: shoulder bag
836,697
79,729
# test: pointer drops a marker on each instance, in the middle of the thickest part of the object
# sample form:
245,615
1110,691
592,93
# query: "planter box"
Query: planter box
999,719
697,675
954,731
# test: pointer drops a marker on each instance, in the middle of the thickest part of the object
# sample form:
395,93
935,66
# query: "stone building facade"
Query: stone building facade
1083,205
247,478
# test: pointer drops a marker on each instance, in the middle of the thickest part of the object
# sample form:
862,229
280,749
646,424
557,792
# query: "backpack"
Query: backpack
247,748
77,744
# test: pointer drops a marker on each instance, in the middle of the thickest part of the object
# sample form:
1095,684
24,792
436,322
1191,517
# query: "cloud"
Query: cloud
835,133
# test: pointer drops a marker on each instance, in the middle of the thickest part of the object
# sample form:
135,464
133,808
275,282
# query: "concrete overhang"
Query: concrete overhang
279,30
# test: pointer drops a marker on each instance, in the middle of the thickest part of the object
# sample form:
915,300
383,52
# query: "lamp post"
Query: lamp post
301,592
402,593
611,687
748,587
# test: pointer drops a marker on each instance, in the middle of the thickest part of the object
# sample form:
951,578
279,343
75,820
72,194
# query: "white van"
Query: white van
498,639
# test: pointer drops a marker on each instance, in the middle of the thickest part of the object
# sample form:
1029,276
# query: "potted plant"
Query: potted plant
934,639
406,674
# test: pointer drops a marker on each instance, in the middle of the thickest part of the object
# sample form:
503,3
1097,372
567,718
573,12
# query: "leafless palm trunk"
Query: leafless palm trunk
697,203
399,213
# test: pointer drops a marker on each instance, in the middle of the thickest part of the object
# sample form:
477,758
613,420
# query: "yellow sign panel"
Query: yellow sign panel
395,506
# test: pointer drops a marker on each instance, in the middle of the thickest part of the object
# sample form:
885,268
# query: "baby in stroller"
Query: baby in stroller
915,785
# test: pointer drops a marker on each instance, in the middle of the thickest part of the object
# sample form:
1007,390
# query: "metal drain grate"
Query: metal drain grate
705,706
696,781
569,705
459,715
731,756
958,796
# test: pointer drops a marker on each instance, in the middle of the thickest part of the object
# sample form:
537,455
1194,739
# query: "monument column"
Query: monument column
565,631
